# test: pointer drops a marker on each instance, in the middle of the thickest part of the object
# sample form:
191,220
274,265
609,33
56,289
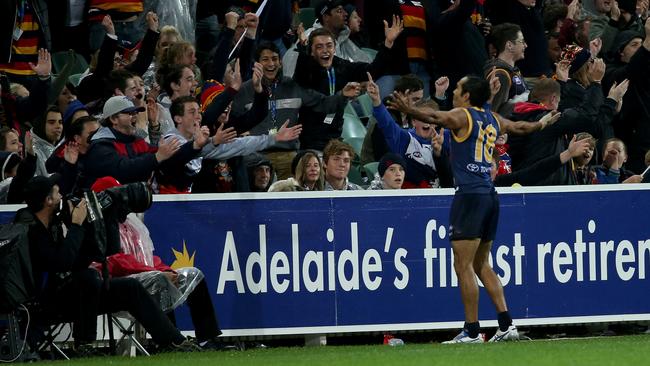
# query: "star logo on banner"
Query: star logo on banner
183,259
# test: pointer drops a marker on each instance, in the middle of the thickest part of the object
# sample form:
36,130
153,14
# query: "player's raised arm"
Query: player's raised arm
455,119
525,127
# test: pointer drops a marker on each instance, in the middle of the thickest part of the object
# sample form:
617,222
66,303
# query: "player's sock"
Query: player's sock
505,320
472,329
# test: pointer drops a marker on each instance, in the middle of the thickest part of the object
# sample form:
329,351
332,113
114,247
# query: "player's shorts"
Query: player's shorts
474,216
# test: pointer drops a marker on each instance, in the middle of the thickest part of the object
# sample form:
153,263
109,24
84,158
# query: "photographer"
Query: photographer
71,290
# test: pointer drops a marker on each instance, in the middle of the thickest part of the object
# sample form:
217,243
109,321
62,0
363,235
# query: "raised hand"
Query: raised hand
288,133
152,111
615,13
258,74
550,118
71,152
442,84
393,31
232,77
152,21
642,8
78,213
29,143
495,84
437,141
399,102
224,136
167,148
201,136
617,92
578,148
351,90
44,66
252,22
613,160
231,20
373,91
562,70
574,10
302,36
597,70
595,46
107,23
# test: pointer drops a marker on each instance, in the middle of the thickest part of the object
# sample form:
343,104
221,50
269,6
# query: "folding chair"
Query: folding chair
51,334
129,331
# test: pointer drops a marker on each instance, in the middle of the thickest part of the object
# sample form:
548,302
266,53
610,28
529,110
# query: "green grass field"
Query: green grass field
627,350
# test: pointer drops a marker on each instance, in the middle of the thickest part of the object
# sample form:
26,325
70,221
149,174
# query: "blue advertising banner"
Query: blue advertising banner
331,262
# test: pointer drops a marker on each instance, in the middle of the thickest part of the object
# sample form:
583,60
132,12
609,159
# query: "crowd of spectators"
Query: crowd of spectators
277,101
244,90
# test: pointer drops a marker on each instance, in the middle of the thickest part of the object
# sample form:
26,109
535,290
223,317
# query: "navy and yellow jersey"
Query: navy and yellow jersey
471,154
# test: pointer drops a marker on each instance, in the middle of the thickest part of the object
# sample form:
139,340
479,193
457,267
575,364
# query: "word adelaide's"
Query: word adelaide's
315,271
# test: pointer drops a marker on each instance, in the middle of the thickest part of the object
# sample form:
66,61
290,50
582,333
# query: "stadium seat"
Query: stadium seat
307,17
349,109
366,105
372,53
371,169
60,58
352,127
354,175
356,143
75,79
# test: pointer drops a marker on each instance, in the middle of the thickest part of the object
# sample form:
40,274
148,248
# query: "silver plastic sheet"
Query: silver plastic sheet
166,293
179,13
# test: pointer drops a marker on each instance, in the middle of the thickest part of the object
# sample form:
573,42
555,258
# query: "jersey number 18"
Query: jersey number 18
484,143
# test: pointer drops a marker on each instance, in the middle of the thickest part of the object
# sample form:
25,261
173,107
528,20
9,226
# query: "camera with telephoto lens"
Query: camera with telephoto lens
120,201
106,210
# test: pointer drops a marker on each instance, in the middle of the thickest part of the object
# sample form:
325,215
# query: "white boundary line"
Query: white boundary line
429,326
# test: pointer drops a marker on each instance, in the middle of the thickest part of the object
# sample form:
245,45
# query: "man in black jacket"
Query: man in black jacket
631,61
320,69
593,116
68,288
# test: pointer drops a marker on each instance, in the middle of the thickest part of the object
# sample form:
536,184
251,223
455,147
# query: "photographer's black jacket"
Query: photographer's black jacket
49,251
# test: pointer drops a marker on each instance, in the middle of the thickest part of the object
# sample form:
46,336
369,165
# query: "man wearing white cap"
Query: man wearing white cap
116,151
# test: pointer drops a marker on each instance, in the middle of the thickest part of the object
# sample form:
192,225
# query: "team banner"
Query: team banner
327,262
331,262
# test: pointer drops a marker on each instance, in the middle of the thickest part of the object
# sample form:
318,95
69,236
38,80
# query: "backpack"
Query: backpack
16,278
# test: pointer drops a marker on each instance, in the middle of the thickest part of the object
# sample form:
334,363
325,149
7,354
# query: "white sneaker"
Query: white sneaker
511,334
463,337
